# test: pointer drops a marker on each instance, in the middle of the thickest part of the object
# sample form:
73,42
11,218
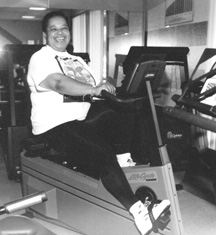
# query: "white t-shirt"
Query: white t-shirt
48,107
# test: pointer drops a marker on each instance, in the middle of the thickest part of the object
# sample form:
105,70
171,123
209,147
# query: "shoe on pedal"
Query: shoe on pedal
147,215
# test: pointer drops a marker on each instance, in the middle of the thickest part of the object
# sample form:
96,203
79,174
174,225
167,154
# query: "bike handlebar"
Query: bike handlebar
23,203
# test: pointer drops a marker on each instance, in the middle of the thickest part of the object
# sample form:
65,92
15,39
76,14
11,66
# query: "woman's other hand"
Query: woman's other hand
96,91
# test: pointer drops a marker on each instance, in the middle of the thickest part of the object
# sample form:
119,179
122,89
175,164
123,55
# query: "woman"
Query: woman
52,75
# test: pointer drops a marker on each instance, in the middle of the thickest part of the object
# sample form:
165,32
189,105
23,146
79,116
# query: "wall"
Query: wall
121,44
192,34
22,30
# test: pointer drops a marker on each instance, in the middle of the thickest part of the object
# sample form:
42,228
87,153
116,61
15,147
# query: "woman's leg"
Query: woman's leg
114,180
83,145
115,127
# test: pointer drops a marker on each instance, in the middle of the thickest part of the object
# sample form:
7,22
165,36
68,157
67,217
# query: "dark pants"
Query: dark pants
95,142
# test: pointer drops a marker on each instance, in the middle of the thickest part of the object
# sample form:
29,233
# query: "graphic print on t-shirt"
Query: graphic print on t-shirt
76,70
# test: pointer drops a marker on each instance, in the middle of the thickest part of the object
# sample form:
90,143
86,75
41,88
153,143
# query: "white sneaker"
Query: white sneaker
125,160
142,214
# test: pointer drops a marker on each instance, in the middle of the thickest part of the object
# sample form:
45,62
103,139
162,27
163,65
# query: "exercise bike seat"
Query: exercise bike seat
21,225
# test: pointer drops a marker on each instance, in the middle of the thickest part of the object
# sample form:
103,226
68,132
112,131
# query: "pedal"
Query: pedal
164,219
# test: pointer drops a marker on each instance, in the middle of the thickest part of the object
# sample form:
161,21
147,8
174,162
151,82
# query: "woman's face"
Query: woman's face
57,34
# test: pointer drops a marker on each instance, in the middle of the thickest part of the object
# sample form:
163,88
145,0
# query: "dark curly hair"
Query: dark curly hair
50,15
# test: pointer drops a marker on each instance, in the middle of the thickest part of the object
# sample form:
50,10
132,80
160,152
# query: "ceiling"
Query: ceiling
15,9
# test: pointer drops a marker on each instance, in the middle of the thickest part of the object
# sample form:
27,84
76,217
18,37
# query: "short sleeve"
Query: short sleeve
40,66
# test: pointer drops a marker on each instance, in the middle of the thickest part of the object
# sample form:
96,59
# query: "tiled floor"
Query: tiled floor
198,215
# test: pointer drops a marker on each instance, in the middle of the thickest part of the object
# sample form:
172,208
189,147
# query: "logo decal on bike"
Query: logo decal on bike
139,177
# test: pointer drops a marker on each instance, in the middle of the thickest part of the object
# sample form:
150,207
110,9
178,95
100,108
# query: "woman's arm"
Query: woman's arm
65,85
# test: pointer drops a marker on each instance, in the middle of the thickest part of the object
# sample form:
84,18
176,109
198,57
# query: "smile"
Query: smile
59,39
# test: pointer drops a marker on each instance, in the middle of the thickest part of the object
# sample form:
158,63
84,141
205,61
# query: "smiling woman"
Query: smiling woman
87,132
56,31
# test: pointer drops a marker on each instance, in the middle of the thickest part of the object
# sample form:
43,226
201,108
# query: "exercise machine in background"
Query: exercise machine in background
196,106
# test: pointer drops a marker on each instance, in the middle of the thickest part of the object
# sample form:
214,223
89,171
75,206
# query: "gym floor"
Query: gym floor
198,215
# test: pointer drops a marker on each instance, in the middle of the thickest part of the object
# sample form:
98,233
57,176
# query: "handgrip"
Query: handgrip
23,203
194,104
110,97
